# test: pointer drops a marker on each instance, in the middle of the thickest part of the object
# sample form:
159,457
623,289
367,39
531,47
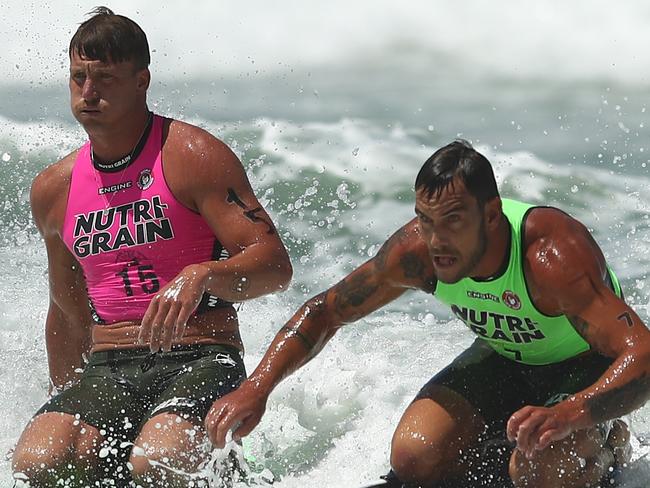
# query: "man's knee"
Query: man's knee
424,454
167,448
577,461
53,444
417,461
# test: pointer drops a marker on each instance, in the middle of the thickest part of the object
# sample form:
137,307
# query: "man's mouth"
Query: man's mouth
442,261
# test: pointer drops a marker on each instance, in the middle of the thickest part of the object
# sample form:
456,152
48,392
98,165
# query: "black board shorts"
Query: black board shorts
497,387
120,390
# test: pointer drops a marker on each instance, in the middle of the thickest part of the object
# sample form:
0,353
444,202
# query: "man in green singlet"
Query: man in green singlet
558,357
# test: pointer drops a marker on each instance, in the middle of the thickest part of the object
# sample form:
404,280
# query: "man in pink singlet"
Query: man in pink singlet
152,233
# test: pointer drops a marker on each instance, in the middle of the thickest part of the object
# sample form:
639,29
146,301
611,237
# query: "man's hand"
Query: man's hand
169,310
535,428
241,409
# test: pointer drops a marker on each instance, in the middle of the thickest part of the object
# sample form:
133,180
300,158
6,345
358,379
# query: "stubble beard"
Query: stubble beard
474,259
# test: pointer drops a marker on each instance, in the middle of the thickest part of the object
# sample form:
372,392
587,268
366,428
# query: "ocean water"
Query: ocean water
332,109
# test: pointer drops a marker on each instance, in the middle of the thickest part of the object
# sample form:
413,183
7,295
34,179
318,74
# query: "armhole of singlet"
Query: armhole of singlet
522,245
67,198
165,126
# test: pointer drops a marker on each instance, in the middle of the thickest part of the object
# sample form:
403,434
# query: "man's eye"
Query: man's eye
453,218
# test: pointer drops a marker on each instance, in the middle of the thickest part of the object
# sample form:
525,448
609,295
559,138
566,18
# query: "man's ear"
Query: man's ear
493,212
144,78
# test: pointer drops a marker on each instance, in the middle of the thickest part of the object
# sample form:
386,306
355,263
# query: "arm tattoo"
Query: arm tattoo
353,291
295,332
619,401
382,255
414,268
625,316
249,214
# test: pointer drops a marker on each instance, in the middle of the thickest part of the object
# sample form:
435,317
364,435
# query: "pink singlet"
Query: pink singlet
130,234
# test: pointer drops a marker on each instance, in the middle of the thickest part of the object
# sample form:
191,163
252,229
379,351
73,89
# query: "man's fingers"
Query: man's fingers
246,427
226,423
147,319
527,429
157,325
548,437
167,334
515,421
212,421
181,321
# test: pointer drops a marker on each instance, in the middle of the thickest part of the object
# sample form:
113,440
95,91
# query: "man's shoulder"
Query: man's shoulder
558,248
405,258
406,239
49,190
193,143
544,222
55,178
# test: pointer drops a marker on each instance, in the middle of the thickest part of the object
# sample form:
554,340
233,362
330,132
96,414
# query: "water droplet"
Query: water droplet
574,189
6,157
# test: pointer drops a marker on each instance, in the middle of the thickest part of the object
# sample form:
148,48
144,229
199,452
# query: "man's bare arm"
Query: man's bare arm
68,323
615,330
206,176
568,269
400,264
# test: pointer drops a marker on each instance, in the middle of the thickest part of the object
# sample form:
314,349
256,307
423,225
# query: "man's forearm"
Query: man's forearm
302,338
65,349
258,270
623,388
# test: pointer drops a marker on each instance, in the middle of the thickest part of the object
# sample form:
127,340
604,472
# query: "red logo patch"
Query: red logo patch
511,300
145,179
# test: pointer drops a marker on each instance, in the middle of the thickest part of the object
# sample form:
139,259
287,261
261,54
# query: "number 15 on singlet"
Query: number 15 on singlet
139,275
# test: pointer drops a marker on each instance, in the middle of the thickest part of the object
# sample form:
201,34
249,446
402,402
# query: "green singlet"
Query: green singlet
500,311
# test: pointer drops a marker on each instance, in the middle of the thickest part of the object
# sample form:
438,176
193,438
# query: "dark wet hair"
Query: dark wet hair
458,159
111,38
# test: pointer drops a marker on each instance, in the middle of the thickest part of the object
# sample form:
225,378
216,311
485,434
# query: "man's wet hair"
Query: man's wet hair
458,159
110,38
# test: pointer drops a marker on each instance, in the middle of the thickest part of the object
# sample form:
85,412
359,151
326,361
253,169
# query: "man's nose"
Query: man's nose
89,91
438,240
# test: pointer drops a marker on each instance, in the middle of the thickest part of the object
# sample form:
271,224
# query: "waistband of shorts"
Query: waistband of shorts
119,354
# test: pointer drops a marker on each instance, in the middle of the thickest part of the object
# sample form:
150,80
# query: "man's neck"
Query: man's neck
111,143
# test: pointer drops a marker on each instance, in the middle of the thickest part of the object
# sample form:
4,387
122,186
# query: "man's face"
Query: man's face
101,94
453,226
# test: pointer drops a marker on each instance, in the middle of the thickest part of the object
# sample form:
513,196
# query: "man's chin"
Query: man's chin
90,122
448,277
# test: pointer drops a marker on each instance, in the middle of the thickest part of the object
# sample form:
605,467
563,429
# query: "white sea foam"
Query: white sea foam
353,181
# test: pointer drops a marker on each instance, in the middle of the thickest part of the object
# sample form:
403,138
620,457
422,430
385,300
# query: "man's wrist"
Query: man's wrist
573,409
261,386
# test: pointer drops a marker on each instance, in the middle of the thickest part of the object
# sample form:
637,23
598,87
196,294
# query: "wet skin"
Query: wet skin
454,237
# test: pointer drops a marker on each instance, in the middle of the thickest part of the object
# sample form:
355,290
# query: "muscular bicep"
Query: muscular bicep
66,283
569,275
232,210
400,264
